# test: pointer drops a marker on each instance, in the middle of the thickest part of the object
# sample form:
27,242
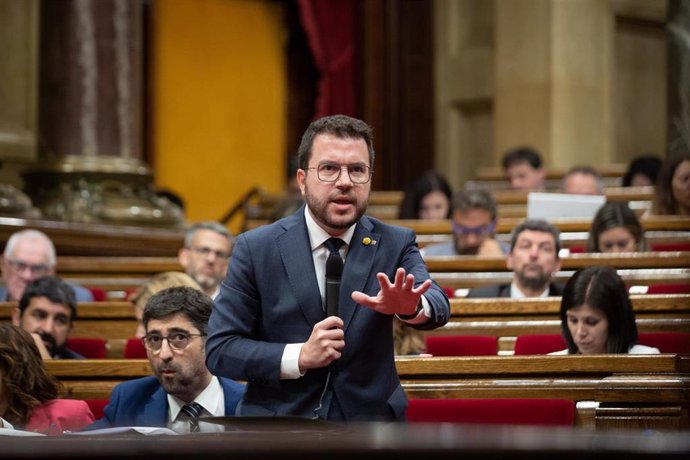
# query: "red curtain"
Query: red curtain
329,26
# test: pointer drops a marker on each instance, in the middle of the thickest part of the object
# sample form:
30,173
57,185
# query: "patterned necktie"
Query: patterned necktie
193,411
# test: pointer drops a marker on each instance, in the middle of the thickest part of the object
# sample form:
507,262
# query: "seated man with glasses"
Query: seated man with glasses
474,226
182,389
205,255
29,254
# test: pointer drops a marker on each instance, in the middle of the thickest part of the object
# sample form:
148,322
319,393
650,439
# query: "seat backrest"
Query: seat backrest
96,406
134,349
669,289
539,344
98,294
462,345
501,411
666,342
91,348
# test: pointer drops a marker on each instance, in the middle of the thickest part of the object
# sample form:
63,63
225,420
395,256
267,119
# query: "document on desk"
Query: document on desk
145,430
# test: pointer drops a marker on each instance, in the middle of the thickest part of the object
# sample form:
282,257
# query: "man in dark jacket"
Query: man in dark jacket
533,258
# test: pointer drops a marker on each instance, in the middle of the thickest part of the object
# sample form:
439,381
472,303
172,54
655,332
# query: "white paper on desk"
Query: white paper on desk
145,430
13,432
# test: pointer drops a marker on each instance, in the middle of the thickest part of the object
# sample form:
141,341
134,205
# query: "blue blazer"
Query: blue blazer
271,297
144,402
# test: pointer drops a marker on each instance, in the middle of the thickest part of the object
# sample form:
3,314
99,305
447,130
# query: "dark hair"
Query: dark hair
648,165
430,181
536,225
340,126
520,155
466,200
24,381
190,302
612,215
585,170
54,289
600,287
665,201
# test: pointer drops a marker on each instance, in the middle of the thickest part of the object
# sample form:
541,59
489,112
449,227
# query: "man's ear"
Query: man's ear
509,261
16,316
183,257
301,179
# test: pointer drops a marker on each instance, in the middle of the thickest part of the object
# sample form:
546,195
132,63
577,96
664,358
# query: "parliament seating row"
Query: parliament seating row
504,318
541,344
610,391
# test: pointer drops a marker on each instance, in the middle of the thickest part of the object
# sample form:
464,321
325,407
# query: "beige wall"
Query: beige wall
219,92
573,78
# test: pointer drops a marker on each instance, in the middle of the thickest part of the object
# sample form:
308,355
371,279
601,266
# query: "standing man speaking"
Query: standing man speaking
269,325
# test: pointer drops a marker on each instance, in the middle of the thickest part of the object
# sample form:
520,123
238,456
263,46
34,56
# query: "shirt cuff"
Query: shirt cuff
289,363
424,314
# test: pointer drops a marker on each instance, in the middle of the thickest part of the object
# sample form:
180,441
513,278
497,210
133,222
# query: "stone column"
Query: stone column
678,76
553,78
90,116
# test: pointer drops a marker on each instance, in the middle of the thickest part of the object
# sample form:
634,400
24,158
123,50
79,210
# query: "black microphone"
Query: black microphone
334,272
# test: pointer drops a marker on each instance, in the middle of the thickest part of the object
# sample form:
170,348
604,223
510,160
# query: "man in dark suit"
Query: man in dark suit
176,320
269,326
533,257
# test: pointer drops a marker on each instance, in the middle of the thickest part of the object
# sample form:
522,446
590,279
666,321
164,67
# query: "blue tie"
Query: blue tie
193,411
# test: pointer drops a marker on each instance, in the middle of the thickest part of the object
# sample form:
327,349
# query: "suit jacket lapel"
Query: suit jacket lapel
156,410
358,266
295,252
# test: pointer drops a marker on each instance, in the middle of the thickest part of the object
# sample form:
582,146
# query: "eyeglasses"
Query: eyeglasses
177,341
35,269
205,251
482,230
330,172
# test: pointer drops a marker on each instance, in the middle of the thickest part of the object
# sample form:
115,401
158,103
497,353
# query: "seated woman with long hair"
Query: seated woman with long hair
28,394
615,228
597,315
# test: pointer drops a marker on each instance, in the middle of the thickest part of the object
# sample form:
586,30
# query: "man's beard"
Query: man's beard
318,208
466,250
49,342
533,282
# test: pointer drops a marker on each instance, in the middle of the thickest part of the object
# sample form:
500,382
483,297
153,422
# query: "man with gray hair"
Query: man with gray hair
29,254
205,255
533,258
583,180
474,227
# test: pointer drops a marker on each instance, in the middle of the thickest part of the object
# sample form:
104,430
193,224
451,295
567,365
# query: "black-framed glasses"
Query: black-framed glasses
480,231
35,269
177,340
329,171
205,251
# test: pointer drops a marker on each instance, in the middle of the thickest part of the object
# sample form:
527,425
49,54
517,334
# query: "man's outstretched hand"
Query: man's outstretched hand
397,298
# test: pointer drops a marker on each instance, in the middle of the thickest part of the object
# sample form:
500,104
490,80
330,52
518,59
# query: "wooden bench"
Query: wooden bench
506,225
508,318
71,238
632,391
497,172
632,277
612,391
656,260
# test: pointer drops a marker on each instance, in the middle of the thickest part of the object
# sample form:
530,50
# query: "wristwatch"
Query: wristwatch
420,307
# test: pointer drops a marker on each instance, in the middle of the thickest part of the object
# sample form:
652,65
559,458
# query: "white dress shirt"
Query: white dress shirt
212,399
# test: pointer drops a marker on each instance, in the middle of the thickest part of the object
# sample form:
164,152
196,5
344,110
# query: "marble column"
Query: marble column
90,116
678,88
